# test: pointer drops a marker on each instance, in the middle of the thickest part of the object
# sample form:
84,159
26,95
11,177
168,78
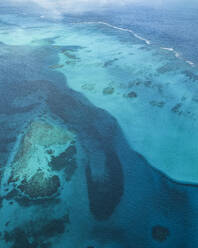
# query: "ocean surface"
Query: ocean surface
98,128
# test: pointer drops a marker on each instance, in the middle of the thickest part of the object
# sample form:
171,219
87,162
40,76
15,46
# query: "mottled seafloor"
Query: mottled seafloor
98,138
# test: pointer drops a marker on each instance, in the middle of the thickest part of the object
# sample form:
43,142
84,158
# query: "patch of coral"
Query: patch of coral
30,169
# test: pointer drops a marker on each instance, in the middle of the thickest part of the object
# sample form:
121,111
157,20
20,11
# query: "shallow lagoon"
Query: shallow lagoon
120,113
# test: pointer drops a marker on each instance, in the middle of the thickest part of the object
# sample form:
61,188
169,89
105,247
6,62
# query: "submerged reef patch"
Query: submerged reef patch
131,94
89,87
66,160
56,66
191,75
41,152
177,109
39,186
108,90
160,233
34,234
110,62
158,104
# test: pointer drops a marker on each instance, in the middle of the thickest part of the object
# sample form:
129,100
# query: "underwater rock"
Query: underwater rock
108,90
160,233
56,66
70,56
70,62
157,104
89,87
176,108
131,94
110,62
71,49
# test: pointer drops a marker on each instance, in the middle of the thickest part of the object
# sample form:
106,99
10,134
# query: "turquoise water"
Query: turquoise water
98,137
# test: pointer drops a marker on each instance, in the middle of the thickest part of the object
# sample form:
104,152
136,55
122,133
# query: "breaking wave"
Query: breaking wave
148,42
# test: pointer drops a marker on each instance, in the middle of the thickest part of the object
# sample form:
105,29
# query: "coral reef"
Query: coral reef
40,186
110,62
56,66
89,87
108,90
67,161
131,94
33,234
44,149
177,108
191,75
157,104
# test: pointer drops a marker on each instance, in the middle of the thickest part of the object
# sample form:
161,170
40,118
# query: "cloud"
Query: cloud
57,7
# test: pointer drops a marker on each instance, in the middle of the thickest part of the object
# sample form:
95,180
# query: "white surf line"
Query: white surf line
127,30
118,28
190,62
177,55
148,42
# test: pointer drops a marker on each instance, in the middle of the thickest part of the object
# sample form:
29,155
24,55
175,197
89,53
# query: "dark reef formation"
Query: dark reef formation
65,161
160,233
108,90
35,235
34,189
